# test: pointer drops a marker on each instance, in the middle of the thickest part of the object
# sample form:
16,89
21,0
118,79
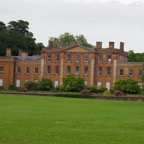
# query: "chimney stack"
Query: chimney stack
72,44
8,52
50,44
111,45
98,45
122,46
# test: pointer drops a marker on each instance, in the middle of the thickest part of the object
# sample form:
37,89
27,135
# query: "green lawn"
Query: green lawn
54,120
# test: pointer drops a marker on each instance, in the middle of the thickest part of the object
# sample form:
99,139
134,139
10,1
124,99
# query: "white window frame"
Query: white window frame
18,83
77,70
77,58
1,69
99,58
57,57
121,72
56,70
109,59
36,70
99,71
139,72
86,58
49,57
86,70
108,71
130,72
1,82
99,83
48,69
68,69
108,85
27,70
68,57
56,83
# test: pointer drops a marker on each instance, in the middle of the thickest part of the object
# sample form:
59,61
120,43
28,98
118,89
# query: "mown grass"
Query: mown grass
54,120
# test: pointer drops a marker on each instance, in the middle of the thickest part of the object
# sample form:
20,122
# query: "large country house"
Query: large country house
98,66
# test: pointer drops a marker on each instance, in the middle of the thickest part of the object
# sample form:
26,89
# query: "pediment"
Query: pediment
79,48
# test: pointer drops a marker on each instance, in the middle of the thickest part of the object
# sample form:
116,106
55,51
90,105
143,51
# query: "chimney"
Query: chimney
111,45
122,46
24,53
8,52
50,44
98,45
60,45
72,44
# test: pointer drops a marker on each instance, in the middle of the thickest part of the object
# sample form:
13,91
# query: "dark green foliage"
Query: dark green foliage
45,85
16,36
67,38
12,87
135,57
73,84
128,86
95,89
31,85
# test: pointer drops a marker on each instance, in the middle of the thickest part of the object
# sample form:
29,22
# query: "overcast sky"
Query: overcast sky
97,20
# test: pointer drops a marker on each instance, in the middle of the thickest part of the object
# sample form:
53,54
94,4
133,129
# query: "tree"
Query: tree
73,84
128,86
16,35
66,39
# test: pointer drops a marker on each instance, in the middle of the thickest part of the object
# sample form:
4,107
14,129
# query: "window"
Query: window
36,70
99,71
77,58
49,57
121,72
85,82
17,83
86,58
57,57
99,58
1,82
140,72
1,69
68,57
55,83
56,69
130,72
27,70
86,70
48,69
108,58
18,69
68,69
99,84
108,71
77,71
108,85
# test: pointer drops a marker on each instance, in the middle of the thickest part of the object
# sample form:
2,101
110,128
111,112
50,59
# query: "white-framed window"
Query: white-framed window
56,83
18,83
130,72
140,72
86,70
99,84
1,82
18,69
56,69
49,57
27,70
48,69
86,83
57,57
99,71
77,70
86,58
69,57
36,70
108,71
108,58
77,57
121,72
99,58
108,85
1,69
68,69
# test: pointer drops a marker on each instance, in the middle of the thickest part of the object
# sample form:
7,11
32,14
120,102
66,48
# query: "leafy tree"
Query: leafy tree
67,38
16,35
135,57
128,86
73,84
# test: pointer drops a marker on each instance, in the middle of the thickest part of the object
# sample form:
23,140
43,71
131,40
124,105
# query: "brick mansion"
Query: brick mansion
98,66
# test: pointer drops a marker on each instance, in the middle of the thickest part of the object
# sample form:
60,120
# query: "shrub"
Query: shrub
12,87
31,85
22,90
95,89
107,92
118,93
84,91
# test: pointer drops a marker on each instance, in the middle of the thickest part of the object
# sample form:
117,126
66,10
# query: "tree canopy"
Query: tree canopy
16,35
135,57
66,38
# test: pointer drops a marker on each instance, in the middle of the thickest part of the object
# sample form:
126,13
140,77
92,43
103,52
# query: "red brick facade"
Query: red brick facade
98,66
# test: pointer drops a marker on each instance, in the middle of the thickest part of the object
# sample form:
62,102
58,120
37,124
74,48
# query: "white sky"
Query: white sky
97,20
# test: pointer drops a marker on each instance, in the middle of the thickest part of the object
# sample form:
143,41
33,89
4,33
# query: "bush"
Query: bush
12,87
107,92
31,85
95,89
118,93
84,91
22,90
